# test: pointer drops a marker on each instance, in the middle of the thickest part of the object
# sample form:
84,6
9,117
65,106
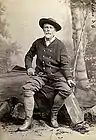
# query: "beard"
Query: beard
49,36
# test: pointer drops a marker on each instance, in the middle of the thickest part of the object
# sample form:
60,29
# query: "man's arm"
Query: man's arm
29,58
65,67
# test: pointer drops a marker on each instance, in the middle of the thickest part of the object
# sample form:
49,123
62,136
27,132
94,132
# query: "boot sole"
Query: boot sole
29,127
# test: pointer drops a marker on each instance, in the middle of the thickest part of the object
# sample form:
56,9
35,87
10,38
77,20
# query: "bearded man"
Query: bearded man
52,65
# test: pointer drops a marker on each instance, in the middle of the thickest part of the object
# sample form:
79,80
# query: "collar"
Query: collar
49,42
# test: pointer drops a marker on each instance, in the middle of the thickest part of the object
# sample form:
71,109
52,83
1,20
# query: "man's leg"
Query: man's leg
34,84
63,91
29,107
58,103
29,104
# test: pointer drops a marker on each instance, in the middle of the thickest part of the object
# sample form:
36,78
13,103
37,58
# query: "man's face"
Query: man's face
49,31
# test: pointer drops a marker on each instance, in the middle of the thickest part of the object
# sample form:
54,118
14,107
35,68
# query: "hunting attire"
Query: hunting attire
52,67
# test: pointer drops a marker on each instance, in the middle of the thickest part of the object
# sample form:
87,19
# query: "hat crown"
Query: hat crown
52,19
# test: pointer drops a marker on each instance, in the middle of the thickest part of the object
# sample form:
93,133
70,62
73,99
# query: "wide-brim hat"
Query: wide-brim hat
51,21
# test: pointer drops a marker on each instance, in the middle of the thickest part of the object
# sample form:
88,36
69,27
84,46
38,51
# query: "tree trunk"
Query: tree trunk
85,95
78,25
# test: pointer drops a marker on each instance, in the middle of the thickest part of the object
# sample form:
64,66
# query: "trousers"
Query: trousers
35,83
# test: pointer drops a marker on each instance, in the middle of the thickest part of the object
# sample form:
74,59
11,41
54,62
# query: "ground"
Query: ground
41,131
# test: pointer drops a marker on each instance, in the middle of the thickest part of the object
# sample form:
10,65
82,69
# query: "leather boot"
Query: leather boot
27,124
58,103
54,122
29,107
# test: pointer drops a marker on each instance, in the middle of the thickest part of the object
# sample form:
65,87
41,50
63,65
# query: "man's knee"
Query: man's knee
34,84
58,99
28,93
65,94
28,90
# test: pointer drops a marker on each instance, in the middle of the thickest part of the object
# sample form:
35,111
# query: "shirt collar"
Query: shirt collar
48,42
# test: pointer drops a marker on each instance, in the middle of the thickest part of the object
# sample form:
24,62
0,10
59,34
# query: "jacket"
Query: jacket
52,59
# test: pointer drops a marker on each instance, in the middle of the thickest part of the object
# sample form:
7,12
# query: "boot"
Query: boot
27,124
58,103
54,122
29,107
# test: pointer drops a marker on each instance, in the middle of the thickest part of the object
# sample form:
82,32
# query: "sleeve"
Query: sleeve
29,56
65,65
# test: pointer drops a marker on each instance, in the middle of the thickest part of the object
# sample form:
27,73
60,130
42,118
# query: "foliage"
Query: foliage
90,58
3,23
7,53
7,48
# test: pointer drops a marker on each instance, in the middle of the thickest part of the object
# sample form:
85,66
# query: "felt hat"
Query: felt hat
50,21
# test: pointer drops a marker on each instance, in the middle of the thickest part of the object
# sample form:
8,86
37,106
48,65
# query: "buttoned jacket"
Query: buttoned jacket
51,60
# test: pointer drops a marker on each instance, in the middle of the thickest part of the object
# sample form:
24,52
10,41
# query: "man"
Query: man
52,65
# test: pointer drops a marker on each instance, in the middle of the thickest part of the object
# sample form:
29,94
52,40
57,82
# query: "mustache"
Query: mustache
47,33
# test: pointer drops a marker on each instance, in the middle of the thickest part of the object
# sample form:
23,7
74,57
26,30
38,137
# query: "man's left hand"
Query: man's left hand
71,83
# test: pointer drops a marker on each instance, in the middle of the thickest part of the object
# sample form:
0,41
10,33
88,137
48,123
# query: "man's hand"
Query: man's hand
71,83
30,71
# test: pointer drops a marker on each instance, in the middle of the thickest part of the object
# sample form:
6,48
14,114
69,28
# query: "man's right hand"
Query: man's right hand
30,71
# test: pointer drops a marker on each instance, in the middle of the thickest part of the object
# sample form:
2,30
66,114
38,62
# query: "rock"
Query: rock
4,108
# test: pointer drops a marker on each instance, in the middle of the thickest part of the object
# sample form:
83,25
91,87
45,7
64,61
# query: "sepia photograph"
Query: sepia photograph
47,69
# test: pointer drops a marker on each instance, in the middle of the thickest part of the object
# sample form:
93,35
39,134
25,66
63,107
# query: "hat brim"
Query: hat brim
48,21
